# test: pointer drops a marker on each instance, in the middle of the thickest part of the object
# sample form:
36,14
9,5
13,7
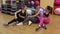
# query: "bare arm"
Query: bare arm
26,14
16,13
35,14
21,16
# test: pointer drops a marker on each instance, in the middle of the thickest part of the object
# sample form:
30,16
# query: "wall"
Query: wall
44,3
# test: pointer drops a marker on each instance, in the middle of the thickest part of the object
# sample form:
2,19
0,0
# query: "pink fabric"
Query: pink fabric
57,11
57,1
43,20
37,3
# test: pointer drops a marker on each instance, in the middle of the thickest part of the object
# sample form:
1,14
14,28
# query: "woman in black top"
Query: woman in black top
19,16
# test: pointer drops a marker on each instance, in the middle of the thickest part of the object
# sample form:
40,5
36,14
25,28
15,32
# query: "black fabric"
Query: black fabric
22,14
12,21
46,15
20,19
35,20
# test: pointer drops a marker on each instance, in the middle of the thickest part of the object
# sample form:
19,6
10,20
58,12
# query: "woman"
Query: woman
19,17
31,15
43,19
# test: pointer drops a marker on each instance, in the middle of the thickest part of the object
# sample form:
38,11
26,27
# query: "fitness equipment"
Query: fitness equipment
57,7
37,3
19,5
13,7
9,7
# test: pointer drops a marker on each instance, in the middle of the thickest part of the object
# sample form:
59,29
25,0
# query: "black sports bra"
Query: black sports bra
22,14
46,15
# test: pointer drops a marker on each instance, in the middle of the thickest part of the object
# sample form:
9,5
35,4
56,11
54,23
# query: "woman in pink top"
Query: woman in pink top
43,18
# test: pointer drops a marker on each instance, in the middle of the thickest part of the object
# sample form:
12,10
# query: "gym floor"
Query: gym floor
53,27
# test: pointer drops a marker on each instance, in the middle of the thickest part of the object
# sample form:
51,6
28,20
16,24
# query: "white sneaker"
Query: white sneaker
30,23
21,23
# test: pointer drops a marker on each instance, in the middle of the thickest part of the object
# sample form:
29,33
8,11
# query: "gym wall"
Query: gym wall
43,3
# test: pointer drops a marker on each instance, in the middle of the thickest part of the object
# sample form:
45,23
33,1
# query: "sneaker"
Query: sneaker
21,23
30,23
37,28
5,25
45,27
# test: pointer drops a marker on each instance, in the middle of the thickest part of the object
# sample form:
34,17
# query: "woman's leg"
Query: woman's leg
46,21
14,20
41,20
35,20
29,20
20,21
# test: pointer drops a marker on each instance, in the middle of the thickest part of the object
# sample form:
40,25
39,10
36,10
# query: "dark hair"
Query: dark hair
50,8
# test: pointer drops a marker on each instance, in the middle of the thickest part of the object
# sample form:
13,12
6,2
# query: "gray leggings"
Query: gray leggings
33,19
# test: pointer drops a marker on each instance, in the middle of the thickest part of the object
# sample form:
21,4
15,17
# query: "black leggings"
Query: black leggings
19,19
15,20
12,21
